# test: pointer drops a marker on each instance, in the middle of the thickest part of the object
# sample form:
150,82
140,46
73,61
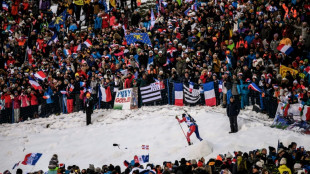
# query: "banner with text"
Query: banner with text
294,117
123,99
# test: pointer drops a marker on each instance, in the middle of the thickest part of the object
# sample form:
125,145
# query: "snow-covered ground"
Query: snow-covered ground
76,143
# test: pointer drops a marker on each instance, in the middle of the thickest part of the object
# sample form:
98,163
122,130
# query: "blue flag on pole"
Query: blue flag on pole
138,37
60,20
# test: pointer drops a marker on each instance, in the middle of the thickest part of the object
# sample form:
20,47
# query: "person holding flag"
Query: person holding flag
191,123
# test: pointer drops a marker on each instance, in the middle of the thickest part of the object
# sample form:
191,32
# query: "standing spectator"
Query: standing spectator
233,110
25,105
16,107
7,112
88,108
33,104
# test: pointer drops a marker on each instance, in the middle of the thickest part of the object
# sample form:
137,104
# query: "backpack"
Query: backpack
191,119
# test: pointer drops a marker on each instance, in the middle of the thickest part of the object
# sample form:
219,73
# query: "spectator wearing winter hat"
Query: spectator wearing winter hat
283,168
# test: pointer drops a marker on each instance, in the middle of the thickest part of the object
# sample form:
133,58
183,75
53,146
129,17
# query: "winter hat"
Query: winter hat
229,155
256,167
200,163
260,163
91,167
280,150
271,148
183,161
193,161
98,170
297,166
283,161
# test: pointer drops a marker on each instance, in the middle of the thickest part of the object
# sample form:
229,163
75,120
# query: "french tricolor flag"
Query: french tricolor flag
5,6
209,93
35,84
167,62
77,48
32,158
254,87
67,52
228,60
71,87
178,94
104,94
40,75
191,86
286,49
82,84
54,39
220,86
63,92
88,43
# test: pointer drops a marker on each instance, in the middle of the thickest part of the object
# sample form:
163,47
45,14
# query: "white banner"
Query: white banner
122,99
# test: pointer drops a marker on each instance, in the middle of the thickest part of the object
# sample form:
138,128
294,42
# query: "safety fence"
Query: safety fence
62,104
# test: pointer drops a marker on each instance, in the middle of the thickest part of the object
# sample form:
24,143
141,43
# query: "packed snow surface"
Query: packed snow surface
75,143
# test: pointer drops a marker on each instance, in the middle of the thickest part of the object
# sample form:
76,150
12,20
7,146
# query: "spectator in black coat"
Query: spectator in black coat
89,107
233,110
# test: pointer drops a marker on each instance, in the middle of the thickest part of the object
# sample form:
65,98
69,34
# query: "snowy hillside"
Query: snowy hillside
75,143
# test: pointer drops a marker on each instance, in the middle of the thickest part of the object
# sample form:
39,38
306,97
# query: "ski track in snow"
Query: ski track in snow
156,126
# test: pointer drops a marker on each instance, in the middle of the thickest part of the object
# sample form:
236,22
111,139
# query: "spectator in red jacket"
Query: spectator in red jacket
7,112
33,104
128,80
16,106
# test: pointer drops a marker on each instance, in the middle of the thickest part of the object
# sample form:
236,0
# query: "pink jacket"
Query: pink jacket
16,102
24,100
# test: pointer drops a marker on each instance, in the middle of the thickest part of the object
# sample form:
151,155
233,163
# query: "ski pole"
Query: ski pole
182,130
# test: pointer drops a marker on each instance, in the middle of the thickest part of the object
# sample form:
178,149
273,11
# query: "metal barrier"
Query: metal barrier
62,105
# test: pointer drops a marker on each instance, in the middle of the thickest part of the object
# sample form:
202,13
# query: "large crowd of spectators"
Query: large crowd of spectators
283,160
234,41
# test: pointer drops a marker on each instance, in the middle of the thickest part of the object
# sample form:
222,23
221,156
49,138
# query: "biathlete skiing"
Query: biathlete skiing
191,123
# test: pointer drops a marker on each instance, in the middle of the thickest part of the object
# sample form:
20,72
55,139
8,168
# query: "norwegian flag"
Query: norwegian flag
145,147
